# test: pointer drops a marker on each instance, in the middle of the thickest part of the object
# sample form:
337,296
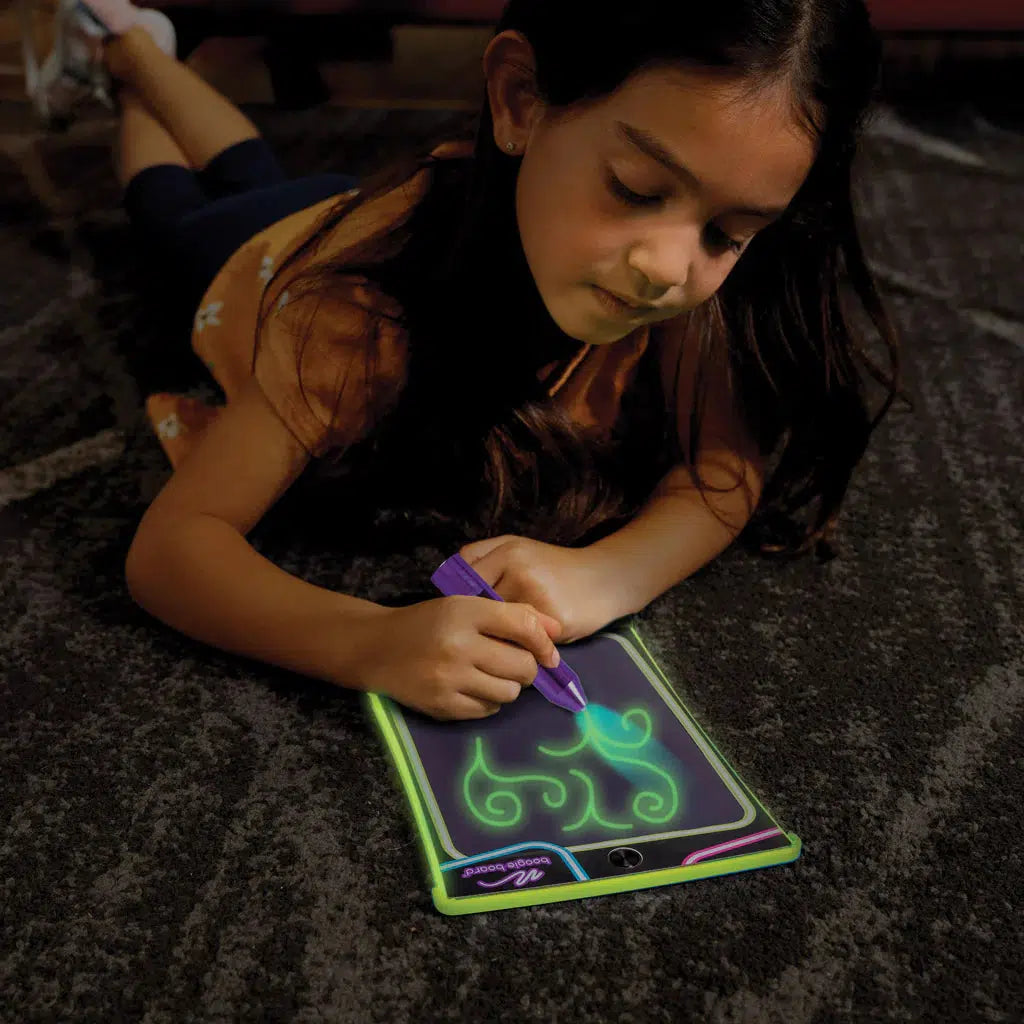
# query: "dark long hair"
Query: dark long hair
473,429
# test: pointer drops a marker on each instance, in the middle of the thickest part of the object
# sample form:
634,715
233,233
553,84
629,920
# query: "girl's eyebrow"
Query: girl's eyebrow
656,150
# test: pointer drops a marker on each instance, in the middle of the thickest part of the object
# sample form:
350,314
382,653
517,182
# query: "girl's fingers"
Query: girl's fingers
492,689
467,707
506,662
521,625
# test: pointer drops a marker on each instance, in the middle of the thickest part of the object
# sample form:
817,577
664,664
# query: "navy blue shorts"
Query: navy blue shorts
192,221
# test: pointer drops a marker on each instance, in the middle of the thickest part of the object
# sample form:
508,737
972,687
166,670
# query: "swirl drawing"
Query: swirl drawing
622,742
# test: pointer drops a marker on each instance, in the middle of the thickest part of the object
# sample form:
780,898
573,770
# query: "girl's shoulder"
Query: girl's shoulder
369,213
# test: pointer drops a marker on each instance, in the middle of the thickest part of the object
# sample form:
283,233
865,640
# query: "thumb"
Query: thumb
552,626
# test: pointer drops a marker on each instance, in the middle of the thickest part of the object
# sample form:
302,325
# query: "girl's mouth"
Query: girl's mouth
620,307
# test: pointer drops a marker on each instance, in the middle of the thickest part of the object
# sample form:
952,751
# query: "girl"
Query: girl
614,331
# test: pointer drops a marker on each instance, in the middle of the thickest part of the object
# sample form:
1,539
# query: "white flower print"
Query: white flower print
266,270
208,316
170,427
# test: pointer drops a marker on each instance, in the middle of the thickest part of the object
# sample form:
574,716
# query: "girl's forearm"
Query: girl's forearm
676,533
200,576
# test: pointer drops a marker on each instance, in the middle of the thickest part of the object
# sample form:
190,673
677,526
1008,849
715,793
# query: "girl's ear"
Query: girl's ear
515,103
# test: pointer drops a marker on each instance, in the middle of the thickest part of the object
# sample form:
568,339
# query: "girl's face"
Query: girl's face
634,209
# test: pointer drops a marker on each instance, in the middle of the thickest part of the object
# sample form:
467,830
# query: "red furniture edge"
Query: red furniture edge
888,15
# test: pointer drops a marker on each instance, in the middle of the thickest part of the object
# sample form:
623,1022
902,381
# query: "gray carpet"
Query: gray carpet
188,836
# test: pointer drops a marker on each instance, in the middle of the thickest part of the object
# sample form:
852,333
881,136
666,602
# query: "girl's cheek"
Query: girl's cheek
608,232
706,281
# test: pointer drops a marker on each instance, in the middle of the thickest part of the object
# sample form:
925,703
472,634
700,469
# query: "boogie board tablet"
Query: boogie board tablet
536,804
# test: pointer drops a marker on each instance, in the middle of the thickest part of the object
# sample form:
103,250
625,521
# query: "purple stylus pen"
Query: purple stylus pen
559,685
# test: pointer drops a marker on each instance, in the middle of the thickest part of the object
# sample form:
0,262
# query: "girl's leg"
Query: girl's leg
201,121
143,142
199,181
210,135
192,220
160,193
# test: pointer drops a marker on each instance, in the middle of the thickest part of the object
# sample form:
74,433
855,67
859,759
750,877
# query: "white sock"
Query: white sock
115,16
103,18
160,27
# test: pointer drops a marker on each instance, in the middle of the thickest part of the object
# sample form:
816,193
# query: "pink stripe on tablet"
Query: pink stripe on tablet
710,851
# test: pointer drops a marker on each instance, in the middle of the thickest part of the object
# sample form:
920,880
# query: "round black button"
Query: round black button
625,857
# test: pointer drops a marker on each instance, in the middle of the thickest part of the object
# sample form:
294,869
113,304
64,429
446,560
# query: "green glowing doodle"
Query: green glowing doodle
591,733
649,805
501,818
590,811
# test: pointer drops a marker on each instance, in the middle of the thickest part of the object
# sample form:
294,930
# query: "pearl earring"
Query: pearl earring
510,146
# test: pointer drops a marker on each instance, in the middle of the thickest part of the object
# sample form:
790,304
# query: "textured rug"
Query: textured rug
189,836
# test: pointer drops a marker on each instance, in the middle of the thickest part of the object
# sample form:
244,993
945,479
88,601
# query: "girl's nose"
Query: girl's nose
664,260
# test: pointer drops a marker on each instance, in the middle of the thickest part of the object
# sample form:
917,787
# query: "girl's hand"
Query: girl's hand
561,582
456,657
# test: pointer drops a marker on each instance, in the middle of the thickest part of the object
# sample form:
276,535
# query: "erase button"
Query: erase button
626,857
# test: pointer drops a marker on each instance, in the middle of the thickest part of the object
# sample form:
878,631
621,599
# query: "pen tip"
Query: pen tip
577,694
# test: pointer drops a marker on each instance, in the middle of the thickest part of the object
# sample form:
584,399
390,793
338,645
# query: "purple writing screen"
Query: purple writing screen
632,765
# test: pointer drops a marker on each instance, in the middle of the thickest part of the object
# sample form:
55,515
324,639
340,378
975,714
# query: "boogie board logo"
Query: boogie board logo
515,874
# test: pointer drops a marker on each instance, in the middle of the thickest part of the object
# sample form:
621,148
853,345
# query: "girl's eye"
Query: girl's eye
718,239
627,195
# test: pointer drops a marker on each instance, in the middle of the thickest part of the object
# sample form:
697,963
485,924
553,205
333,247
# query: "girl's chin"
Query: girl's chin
594,334
584,326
